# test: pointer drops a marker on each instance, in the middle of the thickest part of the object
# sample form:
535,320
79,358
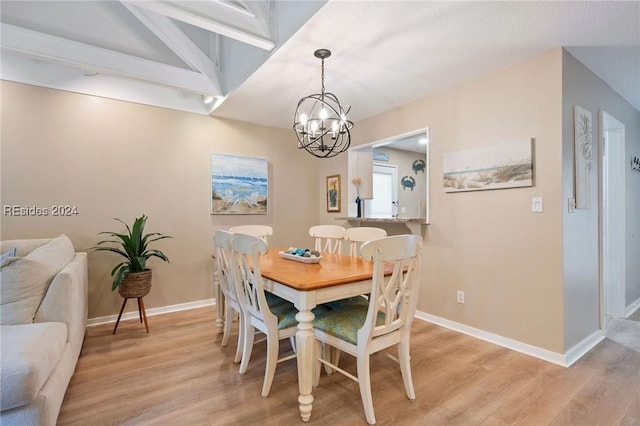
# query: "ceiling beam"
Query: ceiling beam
179,43
236,8
237,30
83,56
263,11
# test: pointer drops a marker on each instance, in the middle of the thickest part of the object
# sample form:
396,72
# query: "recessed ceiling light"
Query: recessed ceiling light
207,99
422,141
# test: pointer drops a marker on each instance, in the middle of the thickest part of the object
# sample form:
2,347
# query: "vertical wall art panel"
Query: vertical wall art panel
239,185
508,165
583,151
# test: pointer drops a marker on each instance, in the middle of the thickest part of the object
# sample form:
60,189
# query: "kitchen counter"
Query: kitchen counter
413,223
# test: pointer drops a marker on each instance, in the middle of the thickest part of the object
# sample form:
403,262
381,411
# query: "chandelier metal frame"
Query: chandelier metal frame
320,122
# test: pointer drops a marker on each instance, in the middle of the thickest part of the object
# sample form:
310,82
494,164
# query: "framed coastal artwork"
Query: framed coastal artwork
239,185
507,165
333,194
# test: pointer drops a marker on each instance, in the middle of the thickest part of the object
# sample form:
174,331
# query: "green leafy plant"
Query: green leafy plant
133,247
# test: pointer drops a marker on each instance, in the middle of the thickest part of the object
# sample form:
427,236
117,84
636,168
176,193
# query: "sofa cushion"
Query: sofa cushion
4,258
24,281
30,353
24,246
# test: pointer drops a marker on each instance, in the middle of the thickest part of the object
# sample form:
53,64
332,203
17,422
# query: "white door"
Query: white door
385,191
612,236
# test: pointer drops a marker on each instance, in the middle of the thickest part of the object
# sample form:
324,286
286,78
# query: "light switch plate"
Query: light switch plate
536,204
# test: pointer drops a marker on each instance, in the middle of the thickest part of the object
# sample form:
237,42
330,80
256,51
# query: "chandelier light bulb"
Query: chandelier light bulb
323,114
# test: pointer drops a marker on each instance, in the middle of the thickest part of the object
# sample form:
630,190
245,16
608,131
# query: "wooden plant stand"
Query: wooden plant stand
135,285
141,313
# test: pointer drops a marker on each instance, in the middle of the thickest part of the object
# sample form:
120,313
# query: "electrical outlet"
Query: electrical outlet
460,297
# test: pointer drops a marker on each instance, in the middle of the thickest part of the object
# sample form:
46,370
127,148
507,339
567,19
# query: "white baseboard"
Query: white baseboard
564,360
632,308
588,343
152,311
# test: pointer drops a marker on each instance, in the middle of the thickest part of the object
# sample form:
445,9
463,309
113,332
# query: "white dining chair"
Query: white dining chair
260,231
355,237
222,242
385,322
328,238
276,320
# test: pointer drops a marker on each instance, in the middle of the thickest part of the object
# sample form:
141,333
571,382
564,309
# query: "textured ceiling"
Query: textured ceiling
386,54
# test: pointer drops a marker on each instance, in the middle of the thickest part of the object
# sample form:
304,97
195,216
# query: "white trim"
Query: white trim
564,360
588,343
612,223
632,308
153,311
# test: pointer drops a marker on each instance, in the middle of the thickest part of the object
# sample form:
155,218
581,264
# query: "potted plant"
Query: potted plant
131,277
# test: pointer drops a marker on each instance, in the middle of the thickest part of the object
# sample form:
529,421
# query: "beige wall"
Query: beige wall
118,159
489,244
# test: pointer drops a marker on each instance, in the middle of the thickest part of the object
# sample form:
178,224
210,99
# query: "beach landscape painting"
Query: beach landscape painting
507,165
239,185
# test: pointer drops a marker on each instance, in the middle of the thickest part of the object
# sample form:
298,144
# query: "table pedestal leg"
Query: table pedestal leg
304,345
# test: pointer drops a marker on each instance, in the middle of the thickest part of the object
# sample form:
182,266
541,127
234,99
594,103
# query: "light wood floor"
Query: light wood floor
179,375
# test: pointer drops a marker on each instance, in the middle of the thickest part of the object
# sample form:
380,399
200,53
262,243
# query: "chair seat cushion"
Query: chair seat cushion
350,301
273,300
30,353
286,313
344,323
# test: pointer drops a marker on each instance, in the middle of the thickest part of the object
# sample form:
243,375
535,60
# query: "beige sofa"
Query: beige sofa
43,320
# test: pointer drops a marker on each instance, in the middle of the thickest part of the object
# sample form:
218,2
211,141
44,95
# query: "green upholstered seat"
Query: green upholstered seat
287,317
272,299
350,301
344,323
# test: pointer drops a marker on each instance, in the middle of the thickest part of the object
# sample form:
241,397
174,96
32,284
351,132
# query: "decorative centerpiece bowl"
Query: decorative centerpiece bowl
301,255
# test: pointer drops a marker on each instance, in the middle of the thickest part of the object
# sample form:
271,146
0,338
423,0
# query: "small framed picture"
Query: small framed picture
333,194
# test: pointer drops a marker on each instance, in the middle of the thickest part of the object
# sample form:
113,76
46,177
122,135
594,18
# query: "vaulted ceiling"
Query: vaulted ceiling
252,60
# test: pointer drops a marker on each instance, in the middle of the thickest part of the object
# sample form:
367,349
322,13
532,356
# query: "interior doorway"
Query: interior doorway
612,214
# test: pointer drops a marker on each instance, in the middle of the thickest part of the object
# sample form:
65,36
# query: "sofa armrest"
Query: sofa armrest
66,298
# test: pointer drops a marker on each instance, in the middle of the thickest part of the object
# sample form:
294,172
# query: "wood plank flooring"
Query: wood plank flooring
180,375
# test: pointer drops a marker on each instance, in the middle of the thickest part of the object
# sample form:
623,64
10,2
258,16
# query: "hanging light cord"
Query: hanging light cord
322,76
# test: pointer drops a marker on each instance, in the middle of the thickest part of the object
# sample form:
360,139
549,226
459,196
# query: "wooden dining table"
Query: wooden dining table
306,285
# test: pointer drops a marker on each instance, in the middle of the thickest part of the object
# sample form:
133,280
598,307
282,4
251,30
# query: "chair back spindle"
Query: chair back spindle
359,235
328,238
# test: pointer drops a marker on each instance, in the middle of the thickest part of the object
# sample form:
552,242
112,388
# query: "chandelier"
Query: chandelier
320,122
